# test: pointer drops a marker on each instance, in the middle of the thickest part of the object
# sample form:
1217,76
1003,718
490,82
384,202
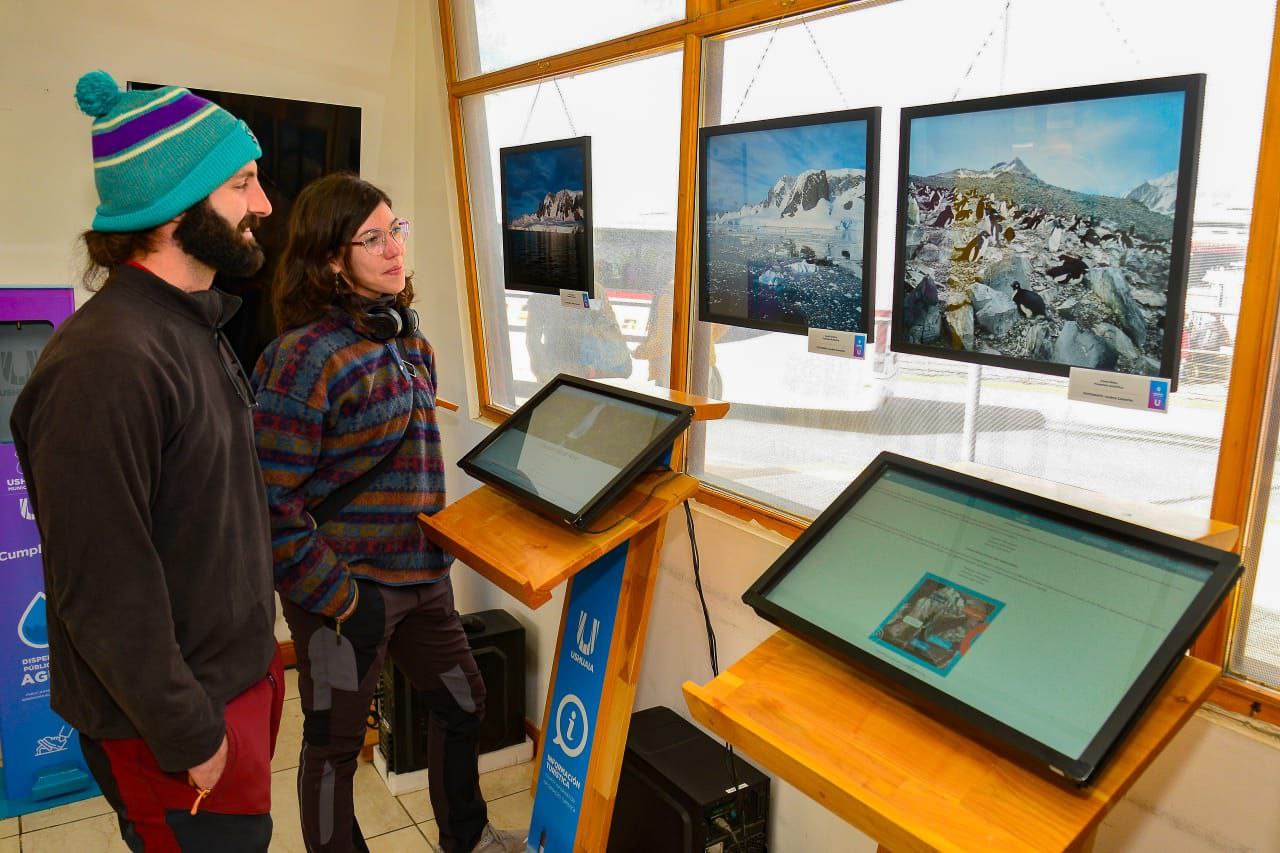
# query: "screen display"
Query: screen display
1038,623
571,445
20,347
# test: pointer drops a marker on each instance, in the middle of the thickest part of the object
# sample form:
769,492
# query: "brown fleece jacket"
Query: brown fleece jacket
140,463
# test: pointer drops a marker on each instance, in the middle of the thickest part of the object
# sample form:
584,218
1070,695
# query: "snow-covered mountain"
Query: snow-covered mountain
1158,194
1010,167
816,198
561,210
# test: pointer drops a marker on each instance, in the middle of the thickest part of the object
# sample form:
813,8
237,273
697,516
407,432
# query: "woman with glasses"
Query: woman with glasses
349,446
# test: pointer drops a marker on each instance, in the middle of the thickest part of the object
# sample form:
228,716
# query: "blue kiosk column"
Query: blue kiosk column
43,766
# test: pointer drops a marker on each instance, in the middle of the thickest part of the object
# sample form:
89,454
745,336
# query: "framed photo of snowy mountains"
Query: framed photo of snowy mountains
546,216
1051,229
787,218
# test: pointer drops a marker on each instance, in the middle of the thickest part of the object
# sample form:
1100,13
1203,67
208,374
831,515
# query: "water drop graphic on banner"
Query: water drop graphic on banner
33,628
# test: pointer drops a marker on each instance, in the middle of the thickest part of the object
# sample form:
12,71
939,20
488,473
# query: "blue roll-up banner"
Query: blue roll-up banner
571,730
43,766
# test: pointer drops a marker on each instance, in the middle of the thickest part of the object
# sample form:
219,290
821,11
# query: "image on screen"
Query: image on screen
20,347
1037,623
570,446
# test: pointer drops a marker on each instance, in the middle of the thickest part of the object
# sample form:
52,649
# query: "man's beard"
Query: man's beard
206,236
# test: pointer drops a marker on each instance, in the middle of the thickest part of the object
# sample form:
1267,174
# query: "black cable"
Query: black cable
730,758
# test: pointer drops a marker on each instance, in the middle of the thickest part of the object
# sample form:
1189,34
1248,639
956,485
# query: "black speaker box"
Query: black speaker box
497,642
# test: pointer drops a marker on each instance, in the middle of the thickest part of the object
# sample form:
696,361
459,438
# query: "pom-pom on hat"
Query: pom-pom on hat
157,153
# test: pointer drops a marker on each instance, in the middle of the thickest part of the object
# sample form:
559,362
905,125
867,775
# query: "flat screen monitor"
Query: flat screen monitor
1036,626
575,446
20,346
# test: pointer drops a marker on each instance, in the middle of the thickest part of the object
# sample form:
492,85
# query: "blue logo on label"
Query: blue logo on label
33,628
859,346
1158,398
586,301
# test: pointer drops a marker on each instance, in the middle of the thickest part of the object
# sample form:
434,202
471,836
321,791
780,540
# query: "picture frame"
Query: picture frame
546,216
788,210
1072,250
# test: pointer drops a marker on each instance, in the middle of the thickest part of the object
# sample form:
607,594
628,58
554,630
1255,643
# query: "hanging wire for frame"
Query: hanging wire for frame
1003,19
756,73
822,56
573,130
529,117
1119,32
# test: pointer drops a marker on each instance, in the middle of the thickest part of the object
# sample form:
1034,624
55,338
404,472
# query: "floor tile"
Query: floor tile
408,840
9,827
512,813
418,805
289,741
11,845
501,783
93,835
377,811
286,833
291,684
69,813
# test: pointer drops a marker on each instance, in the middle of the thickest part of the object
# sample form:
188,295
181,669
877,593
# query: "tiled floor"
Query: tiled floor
391,824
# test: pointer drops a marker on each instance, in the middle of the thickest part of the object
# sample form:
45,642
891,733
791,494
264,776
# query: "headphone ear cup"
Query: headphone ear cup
409,321
382,323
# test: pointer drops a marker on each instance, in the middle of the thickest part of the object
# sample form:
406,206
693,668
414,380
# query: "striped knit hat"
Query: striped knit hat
159,152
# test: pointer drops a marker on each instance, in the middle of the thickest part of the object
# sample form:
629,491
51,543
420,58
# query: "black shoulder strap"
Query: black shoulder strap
338,499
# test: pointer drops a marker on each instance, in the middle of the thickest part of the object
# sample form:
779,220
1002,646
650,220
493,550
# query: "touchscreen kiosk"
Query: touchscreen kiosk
575,446
1039,627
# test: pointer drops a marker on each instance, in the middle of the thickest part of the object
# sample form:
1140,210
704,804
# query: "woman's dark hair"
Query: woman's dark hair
105,250
322,225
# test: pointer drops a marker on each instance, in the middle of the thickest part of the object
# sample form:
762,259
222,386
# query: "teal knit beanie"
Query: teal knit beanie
159,152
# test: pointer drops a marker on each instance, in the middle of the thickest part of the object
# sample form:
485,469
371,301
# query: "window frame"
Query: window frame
1236,479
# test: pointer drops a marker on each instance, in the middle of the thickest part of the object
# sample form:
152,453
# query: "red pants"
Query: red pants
154,807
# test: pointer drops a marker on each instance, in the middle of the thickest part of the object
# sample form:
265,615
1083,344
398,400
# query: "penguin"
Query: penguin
944,218
1055,235
1029,302
1071,267
973,248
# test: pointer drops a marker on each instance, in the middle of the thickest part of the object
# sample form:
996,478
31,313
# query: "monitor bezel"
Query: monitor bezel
1224,570
602,499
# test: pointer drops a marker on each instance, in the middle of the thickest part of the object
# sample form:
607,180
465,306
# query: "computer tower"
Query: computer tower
497,642
677,794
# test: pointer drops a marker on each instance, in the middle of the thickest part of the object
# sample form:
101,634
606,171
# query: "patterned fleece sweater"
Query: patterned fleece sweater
331,404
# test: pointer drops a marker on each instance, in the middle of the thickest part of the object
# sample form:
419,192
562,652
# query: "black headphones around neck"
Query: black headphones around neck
384,322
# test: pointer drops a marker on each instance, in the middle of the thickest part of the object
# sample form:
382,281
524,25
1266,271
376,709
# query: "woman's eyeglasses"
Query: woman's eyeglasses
375,239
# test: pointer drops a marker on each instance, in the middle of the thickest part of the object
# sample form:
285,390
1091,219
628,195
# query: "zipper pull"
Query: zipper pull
203,792
337,630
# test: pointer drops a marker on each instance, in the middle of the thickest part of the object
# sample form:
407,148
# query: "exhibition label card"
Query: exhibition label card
575,299
835,342
1122,390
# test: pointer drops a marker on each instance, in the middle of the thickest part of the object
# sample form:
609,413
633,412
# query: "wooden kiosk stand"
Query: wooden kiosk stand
910,782
611,577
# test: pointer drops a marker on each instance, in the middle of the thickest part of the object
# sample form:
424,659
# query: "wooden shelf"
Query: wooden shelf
905,779
527,555
704,408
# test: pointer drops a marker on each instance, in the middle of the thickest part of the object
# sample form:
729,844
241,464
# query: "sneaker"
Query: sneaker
499,841
495,841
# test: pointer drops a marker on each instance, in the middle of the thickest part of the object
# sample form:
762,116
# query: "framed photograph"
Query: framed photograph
546,216
788,222
1049,230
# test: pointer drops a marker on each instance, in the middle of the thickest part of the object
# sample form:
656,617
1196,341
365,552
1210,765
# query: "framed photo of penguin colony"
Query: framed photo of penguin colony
1049,230
546,216
787,213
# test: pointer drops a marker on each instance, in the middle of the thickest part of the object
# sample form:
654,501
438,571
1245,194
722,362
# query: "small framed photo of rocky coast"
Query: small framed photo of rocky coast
1049,230
546,216
787,213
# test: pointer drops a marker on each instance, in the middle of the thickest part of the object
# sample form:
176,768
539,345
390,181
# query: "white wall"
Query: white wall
1214,789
